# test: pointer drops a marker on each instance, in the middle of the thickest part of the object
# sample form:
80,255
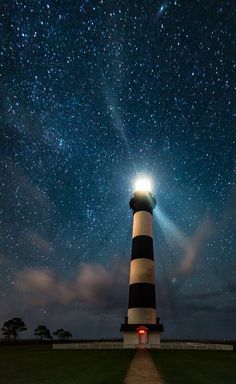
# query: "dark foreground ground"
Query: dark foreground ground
196,367
40,364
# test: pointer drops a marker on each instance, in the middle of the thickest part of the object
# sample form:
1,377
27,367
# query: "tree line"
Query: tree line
13,327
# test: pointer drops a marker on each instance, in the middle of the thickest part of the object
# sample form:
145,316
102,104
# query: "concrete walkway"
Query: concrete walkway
142,370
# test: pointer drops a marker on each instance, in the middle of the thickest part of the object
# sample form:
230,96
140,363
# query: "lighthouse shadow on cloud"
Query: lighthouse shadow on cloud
141,327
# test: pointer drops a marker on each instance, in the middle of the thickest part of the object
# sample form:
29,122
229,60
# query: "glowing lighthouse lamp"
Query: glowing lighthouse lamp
143,184
141,327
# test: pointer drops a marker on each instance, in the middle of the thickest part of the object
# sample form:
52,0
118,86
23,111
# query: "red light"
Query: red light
141,332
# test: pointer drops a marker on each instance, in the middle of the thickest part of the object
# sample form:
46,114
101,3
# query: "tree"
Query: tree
42,332
12,327
67,335
61,334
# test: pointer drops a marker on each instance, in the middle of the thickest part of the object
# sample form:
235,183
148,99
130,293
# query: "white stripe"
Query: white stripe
142,271
142,224
141,316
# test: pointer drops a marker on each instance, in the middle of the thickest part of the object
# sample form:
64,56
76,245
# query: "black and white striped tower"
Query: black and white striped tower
142,327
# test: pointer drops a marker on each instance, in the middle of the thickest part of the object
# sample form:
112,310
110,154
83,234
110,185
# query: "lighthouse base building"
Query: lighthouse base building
142,328
141,336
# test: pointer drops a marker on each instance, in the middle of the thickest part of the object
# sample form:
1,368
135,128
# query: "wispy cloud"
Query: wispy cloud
40,242
194,245
3,259
95,286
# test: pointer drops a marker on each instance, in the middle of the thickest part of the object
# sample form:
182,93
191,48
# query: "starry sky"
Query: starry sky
94,93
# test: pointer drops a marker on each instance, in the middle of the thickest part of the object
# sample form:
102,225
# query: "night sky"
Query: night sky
94,93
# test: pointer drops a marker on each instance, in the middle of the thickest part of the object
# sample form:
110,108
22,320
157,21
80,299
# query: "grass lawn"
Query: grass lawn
42,365
196,367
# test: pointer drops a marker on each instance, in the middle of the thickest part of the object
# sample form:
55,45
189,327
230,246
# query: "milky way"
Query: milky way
92,94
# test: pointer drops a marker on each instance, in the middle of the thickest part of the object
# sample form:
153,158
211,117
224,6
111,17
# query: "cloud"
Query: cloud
37,286
193,247
190,247
40,242
94,302
95,286
36,279
3,259
93,282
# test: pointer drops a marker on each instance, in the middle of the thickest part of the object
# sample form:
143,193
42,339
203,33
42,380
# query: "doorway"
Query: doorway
143,337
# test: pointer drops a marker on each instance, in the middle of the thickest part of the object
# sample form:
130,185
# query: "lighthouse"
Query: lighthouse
142,327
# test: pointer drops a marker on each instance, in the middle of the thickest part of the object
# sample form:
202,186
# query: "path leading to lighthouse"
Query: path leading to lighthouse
142,370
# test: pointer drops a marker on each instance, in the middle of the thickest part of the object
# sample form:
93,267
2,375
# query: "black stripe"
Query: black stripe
142,295
142,201
142,247
133,327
